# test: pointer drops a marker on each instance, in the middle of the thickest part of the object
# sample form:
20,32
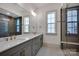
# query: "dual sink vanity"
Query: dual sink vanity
23,45
13,42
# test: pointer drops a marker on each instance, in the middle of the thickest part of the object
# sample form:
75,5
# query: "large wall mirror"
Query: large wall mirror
3,26
10,24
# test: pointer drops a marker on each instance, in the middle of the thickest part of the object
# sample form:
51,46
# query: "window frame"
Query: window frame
72,8
25,25
52,23
18,25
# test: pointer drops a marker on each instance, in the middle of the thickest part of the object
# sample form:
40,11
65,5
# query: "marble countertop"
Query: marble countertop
4,45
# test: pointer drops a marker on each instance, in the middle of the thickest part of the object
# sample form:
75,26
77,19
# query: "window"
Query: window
26,24
3,28
51,22
17,25
72,21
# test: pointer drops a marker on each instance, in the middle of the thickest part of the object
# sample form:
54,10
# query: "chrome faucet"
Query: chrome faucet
7,39
10,37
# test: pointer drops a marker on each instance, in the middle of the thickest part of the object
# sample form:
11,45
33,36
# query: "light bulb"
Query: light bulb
33,13
8,13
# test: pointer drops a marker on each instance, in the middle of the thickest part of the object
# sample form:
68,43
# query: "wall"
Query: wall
38,23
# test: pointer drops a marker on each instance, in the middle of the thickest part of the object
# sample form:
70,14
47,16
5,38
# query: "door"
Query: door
70,27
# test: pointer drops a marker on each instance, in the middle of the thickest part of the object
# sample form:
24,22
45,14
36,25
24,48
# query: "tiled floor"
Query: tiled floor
50,51
55,50
70,52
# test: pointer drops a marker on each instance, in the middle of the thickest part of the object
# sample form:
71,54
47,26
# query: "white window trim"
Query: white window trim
55,22
24,25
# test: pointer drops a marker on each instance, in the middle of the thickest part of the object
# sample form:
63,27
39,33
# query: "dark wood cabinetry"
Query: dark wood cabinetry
28,48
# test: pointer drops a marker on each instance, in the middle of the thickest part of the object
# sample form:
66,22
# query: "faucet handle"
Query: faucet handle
14,37
6,39
10,37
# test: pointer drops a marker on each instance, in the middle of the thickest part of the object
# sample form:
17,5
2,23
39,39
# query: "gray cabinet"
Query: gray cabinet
37,44
28,48
15,54
22,52
41,40
34,46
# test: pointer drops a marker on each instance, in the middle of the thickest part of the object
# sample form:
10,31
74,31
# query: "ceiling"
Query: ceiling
33,6
3,11
24,8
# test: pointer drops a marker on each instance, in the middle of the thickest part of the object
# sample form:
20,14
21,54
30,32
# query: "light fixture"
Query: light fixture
33,13
62,4
8,13
5,19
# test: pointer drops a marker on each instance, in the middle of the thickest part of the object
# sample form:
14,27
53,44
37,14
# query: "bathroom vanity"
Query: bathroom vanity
22,46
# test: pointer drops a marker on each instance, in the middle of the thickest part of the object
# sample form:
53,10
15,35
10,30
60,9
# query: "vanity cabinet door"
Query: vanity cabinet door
28,48
22,49
36,45
41,40
22,52
28,51
15,54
